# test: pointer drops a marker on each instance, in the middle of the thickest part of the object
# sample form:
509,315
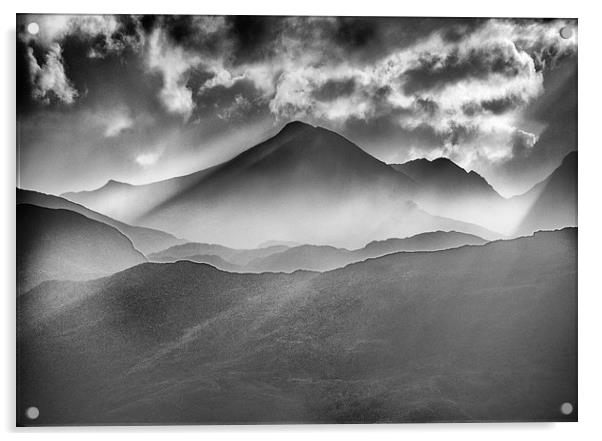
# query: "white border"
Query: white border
590,232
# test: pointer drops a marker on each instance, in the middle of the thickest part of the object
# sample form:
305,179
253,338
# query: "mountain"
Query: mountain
215,261
408,337
62,244
446,178
305,184
233,256
446,189
436,240
306,257
272,243
146,240
551,203
324,258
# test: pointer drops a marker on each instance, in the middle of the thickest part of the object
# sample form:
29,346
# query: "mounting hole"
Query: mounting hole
566,408
32,413
566,32
33,28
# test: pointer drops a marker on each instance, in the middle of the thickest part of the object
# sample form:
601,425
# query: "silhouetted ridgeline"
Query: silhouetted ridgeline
306,184
146,240
62,244
472,333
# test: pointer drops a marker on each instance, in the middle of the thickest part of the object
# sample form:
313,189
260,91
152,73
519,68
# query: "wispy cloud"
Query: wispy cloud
50,80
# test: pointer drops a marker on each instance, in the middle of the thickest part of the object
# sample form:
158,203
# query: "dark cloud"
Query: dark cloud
369,38
114,78
241,101
202,35
459,133
384,136
333,89
427,106
253,37
25,101
498,106
435,71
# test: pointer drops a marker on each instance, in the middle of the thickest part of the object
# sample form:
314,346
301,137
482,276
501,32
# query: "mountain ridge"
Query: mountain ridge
146,240
63,244
363,343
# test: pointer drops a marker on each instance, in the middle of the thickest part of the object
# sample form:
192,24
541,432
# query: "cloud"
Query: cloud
147,159
174,64
49,80
105,33
116,122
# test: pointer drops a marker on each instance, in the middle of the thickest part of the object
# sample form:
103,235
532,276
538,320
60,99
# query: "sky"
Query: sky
143,98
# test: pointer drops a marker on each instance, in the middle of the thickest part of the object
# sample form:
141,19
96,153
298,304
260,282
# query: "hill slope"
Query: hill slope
324,258
61,244
233,256
446,189
423,336
553,202
146,240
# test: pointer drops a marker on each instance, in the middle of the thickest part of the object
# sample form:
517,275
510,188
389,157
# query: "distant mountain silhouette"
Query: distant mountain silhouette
324,258
306,184
272,243
551,203
62,244
146,240
446,189
436,240
234,257
411,336
215,261
446,178
307,257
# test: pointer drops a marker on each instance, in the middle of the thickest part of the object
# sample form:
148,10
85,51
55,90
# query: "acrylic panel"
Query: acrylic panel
270,220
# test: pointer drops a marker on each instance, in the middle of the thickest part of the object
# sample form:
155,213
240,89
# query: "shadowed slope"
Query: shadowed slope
146,240
423,336
445,189
61,244
553,202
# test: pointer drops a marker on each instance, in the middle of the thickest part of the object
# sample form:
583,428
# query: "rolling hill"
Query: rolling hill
232,256
324,258
408,337
62,244
146,240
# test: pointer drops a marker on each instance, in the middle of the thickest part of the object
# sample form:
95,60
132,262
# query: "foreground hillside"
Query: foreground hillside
424,336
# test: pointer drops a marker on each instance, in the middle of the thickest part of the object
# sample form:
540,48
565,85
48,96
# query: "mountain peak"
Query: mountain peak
443,162
570,159
114,183
295,127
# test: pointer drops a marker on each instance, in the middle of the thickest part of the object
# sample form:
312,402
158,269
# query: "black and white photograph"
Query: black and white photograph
268,219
